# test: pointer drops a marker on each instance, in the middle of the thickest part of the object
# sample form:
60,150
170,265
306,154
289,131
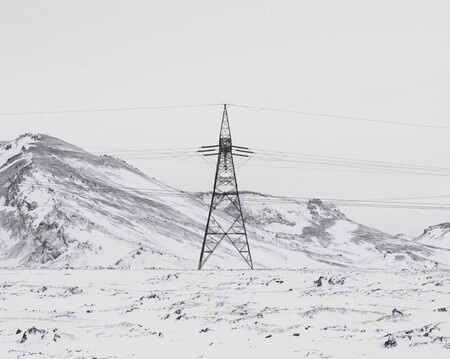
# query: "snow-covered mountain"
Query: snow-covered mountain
61,206
437,236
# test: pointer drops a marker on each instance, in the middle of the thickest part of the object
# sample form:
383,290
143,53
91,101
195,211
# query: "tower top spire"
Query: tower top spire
225,131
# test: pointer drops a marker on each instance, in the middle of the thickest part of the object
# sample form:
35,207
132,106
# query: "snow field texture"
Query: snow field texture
215,314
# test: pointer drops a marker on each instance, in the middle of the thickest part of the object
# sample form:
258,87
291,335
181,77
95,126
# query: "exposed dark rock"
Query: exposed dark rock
397,313
336,280
390,342
32,331
318,282
73,291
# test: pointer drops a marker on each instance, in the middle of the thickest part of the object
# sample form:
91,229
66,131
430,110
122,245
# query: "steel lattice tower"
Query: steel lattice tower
225,196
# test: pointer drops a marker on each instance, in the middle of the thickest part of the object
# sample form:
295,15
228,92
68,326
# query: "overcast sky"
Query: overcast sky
382,60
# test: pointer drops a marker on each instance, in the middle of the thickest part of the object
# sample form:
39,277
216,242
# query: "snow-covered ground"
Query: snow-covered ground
223,314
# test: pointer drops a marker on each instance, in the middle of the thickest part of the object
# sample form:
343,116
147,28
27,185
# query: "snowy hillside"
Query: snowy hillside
61,206
438,236
327,236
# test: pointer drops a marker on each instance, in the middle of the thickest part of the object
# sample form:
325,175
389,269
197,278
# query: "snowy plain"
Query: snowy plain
218,314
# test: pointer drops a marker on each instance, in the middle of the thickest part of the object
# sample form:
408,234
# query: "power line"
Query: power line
282,155
350,203
420,197
248,107
362,168
320,162
114,109
260,198
341,117
167,193
272,156
350,170
333,162
145,150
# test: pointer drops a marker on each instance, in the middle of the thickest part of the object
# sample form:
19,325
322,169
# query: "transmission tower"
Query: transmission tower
225,197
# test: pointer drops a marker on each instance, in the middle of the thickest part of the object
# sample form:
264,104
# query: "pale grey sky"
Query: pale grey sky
382,60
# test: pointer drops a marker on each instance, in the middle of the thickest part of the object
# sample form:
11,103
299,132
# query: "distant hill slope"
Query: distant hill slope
61,206
437,236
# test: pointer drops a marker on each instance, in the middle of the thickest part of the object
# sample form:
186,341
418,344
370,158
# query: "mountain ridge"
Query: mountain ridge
437,235
61,206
